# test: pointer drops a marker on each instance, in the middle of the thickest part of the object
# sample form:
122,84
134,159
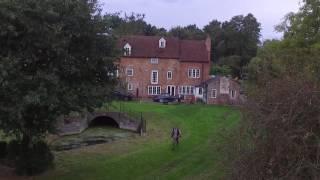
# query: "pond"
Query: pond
92,136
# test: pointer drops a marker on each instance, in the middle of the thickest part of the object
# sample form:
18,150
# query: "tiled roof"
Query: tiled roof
184,50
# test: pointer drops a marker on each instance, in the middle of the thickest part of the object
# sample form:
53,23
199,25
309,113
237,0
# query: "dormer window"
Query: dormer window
162,43
127,50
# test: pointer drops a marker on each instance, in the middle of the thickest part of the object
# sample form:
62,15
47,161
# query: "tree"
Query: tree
238,37
54,59
302,28
191,32
215,31
133,24
281,116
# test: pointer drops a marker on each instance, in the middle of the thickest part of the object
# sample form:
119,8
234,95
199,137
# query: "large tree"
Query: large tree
55,56
188,32
133,24
234,42
302,28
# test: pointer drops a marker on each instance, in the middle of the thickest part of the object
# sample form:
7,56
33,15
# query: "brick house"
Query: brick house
221,90
152,65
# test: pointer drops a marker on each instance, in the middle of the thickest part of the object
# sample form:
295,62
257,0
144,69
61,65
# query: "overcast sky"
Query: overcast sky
170,13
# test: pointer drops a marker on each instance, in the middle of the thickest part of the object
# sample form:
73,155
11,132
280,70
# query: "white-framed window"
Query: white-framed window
213,93
154,76
162,43
130,87
233,94
194,73
169,75
186,90
127,50
154,60
154,90
129,72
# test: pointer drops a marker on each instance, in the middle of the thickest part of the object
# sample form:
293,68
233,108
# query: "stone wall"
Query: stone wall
76,124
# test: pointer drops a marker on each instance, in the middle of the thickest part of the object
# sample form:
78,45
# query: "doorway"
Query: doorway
171,90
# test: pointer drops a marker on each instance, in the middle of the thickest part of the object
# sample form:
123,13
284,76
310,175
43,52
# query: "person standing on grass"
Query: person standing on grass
175,135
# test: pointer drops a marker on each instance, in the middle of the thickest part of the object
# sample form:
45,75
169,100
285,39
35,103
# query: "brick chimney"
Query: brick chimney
208,46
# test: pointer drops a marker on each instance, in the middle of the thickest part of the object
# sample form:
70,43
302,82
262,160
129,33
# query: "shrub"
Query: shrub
3,149
30,161
282,122
13,149
35,160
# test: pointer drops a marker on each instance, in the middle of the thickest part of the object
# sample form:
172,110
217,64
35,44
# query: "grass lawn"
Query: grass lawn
201,155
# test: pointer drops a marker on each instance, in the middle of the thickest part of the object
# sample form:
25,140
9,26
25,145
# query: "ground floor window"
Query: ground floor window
213,93
130,88
186,90
154,90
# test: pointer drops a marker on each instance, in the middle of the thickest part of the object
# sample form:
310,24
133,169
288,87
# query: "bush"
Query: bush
13,149
282,123
35,160
30,161
3,149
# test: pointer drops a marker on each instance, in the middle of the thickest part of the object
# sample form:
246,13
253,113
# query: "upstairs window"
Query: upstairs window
127,50
154,60
169,75
129,72
194,73
162,43
154,77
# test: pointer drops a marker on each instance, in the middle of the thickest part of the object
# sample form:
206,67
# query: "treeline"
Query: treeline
281,128
234,42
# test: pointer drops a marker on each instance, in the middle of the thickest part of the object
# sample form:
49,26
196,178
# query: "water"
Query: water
91,136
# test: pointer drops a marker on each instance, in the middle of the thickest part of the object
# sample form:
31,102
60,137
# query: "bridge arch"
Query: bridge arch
103,120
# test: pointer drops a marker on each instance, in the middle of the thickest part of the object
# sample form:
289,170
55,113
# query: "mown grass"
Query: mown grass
201,154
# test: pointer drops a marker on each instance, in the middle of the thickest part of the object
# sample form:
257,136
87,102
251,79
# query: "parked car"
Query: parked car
165,98
122,95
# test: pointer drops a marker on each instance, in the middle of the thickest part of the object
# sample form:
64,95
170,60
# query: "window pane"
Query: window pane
149,90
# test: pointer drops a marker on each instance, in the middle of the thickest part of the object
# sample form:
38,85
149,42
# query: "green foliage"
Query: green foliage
188,32
302,28
234,42
133,24
55,58
220,70
34,160
283,102
3,149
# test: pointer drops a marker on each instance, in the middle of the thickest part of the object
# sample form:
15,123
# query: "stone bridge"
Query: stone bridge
75,124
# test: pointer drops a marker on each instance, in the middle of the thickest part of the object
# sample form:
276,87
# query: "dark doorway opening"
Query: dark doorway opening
103,121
